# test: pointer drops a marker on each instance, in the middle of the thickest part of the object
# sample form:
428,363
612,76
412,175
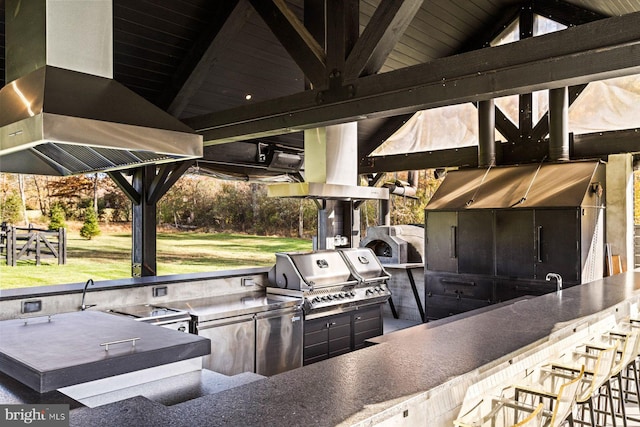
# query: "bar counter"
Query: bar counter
415,375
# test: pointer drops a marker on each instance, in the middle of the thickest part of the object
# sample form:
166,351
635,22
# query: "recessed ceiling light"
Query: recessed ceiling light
248,96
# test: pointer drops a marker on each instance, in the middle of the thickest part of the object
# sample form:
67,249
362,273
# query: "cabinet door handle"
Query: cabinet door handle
331,324
359,318
539,243
453,252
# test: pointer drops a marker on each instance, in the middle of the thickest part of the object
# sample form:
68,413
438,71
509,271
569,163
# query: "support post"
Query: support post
143,250
559,124
486,132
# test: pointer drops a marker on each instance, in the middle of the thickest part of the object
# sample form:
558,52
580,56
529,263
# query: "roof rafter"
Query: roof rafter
295,38
574,56
195,67
388,23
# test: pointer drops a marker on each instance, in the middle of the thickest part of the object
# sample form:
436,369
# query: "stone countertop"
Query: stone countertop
50,352
354,387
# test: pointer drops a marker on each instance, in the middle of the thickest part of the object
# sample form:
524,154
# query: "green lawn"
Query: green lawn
108,256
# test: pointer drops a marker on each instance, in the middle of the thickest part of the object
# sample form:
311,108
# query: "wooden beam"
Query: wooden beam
387,25
294,37
388,127
506,127
164,179
204,54
599,50
565,13
465,156
602,144
125,186
586,146
541,129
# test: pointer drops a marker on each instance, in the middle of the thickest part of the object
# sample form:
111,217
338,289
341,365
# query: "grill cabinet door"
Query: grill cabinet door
515,243
367,323
558,243
326,337
441,245
475,242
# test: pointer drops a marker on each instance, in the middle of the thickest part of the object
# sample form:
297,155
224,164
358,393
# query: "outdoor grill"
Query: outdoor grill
331,281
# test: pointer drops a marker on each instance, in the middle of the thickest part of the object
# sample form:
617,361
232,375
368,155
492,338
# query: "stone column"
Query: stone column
619,211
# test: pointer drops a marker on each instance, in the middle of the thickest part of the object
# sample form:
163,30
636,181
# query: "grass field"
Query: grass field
108,256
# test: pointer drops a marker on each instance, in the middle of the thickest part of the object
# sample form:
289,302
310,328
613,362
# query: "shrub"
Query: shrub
90,227
56,217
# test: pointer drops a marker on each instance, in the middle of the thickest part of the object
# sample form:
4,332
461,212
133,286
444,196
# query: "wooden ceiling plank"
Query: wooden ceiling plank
387,25
296,39
574,56
195,67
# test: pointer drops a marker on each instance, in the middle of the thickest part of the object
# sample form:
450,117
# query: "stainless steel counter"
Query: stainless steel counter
220,307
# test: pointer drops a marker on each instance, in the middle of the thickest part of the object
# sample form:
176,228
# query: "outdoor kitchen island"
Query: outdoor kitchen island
404,372
410,376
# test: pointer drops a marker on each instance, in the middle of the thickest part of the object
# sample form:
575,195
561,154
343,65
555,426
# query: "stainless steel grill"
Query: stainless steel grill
331,281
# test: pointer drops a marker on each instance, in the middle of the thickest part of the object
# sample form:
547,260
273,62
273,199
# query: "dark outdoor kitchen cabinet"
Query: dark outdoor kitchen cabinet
460,242
337,334
557,236
326,337
367,323
441,241
475,242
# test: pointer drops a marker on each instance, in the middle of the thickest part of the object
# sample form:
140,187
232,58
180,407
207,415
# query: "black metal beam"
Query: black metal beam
194,69
603,49
388,23
294,37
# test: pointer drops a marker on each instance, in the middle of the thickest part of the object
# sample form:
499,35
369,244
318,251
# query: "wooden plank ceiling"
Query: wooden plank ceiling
197,58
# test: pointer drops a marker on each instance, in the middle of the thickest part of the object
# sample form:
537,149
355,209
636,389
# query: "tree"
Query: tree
90,227
56,217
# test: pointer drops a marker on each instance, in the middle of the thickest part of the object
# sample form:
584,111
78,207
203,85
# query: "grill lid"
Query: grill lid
364,264
310,270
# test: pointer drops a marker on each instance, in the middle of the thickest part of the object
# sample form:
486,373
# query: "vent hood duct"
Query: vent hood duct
61,112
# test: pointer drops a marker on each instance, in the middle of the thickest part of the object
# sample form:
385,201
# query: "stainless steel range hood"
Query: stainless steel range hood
61,113
331,168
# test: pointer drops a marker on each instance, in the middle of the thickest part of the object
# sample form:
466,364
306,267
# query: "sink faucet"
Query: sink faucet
558,280
84,306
